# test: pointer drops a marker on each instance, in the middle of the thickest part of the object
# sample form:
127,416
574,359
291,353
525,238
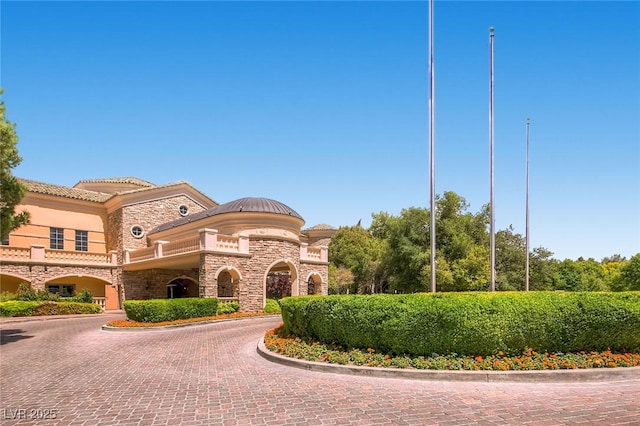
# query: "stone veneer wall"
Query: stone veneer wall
253,269
211,264
265,252
151,214
152,283
310,268
148,215
37,276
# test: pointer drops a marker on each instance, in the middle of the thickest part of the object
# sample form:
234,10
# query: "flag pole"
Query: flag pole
432,175
526,274
491,191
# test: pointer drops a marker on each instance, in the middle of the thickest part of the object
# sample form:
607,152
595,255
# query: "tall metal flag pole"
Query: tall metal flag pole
432,151
526,274
491,191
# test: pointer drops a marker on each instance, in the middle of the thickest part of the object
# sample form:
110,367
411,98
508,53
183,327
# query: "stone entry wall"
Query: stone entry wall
152,283
37,274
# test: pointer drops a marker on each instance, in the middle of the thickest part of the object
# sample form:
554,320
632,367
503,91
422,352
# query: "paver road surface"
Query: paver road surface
72,370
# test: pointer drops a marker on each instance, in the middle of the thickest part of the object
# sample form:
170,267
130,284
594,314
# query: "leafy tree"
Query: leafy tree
592,277
406,260
511,254
340,279
354,248
613,273
11,190
616,258
542,269
630,273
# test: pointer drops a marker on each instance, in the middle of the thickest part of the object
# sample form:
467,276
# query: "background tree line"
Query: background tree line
393,256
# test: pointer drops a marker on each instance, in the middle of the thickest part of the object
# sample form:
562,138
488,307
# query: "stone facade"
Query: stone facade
38,274
177,248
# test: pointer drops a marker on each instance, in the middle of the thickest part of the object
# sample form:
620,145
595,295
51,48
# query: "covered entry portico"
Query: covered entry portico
252,239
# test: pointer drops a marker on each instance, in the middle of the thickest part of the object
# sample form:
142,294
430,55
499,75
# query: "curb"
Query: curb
13,320
170,327
537,376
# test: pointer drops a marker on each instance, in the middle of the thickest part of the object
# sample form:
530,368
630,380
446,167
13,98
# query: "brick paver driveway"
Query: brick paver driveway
211,374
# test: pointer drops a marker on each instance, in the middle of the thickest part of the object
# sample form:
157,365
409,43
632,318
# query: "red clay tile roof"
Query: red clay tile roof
128,180
65,191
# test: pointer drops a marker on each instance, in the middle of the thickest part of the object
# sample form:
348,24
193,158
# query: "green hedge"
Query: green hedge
470,323
157,310
272,307
19,308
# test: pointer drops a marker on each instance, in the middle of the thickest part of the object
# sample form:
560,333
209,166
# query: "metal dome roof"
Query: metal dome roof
260,205
247,204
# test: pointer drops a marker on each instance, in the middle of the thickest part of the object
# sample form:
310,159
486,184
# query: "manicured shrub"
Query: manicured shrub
470,323
84,296
228,308
26,293
18,308
66,308
7,295
272,307
156,310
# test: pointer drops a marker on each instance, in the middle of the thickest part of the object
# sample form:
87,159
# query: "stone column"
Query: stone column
208,286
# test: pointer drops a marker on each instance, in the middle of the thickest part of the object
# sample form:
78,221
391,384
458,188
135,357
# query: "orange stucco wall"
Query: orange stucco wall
94,285
42,218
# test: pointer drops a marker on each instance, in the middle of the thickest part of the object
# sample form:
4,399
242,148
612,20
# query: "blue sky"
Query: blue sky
323,106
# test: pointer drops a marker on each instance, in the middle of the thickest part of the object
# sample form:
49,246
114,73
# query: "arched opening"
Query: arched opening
281,281
71,285
314,283
228,284
10,283
182,287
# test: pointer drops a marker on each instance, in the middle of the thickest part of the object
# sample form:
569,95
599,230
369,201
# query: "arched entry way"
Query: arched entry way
104,294
228,283
281,280
182,287
314,283
10,283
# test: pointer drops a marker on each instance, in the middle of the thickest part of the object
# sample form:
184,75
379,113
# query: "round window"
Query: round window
184,210
137,231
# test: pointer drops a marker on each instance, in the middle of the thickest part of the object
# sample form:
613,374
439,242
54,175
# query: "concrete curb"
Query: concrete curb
539,376
170,327
14,320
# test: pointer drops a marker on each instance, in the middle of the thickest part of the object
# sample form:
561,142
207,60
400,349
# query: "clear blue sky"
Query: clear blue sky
323,106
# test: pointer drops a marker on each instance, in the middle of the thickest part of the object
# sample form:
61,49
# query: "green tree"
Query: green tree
542,269
354,248
406,259
511,254
630,273
11,190
340,279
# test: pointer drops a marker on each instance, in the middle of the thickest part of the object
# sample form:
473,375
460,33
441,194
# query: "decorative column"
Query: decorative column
208,285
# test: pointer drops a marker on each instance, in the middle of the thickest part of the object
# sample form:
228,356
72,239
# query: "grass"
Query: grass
294,347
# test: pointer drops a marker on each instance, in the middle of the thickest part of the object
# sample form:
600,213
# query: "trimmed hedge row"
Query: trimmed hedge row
19,308
470,323
156,310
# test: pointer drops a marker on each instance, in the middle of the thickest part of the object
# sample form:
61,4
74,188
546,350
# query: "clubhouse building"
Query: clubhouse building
126,238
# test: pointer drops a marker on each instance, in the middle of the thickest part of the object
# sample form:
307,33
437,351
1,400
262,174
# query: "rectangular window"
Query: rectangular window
82,241
56,238
63,290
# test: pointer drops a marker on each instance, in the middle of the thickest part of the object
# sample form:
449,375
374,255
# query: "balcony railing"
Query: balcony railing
100,301
39,254
314,254
207,240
